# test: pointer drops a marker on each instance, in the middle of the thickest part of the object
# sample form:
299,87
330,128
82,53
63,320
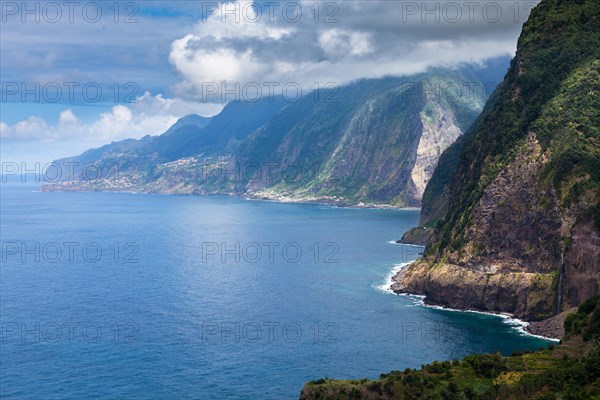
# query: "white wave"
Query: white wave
517,324
387,285
419,300
412,245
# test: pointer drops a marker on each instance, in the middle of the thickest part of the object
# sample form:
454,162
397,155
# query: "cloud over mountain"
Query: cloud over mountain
304,42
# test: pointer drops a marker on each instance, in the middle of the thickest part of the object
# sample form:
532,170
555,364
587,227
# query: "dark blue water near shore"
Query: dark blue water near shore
110,296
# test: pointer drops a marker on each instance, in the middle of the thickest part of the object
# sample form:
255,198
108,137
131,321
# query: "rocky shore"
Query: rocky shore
124,186
553,327
419,236
521,295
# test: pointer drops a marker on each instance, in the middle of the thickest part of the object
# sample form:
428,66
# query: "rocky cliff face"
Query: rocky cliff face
376,143
440,130
373,141
367,156
518,230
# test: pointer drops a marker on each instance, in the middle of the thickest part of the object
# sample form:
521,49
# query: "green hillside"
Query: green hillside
570,370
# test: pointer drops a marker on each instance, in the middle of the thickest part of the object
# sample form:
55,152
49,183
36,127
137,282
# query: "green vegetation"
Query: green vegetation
551,90
362,144
550,95
356,143
570,370
569,130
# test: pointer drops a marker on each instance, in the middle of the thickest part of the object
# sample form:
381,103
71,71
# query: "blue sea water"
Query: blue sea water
124,296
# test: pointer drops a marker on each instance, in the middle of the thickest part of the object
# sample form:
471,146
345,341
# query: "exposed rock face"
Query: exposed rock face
521,293
553,327
419,236
581,265
381,149
373,142
515,226
440,130
519,221
511,250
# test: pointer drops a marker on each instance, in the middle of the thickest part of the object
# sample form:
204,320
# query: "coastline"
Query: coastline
333,202
420,300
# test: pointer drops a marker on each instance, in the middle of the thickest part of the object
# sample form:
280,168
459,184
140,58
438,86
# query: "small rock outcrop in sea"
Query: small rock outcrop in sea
419,236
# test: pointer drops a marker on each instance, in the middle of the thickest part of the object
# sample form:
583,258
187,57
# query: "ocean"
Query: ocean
127,296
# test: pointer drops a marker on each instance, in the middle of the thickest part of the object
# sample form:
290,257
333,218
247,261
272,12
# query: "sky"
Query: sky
76,75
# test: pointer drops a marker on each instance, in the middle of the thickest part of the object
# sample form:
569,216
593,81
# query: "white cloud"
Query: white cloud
343,41
333,41
207,55
67,117
241,19
222,64
149,115
340,43
26,129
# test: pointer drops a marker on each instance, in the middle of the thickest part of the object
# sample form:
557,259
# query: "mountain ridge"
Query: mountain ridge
373,141
513,227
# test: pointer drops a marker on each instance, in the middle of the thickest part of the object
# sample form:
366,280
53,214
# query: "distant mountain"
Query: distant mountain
515,203
192,120
232,125
377,143
133,162
186,124
373,141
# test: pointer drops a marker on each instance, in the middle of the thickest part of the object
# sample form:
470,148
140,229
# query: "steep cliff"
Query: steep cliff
381,150
374,141
515,203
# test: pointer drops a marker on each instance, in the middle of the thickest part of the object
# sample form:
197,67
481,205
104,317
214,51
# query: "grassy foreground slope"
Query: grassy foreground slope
570,370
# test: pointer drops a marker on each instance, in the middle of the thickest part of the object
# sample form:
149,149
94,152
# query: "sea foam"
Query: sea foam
419,300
